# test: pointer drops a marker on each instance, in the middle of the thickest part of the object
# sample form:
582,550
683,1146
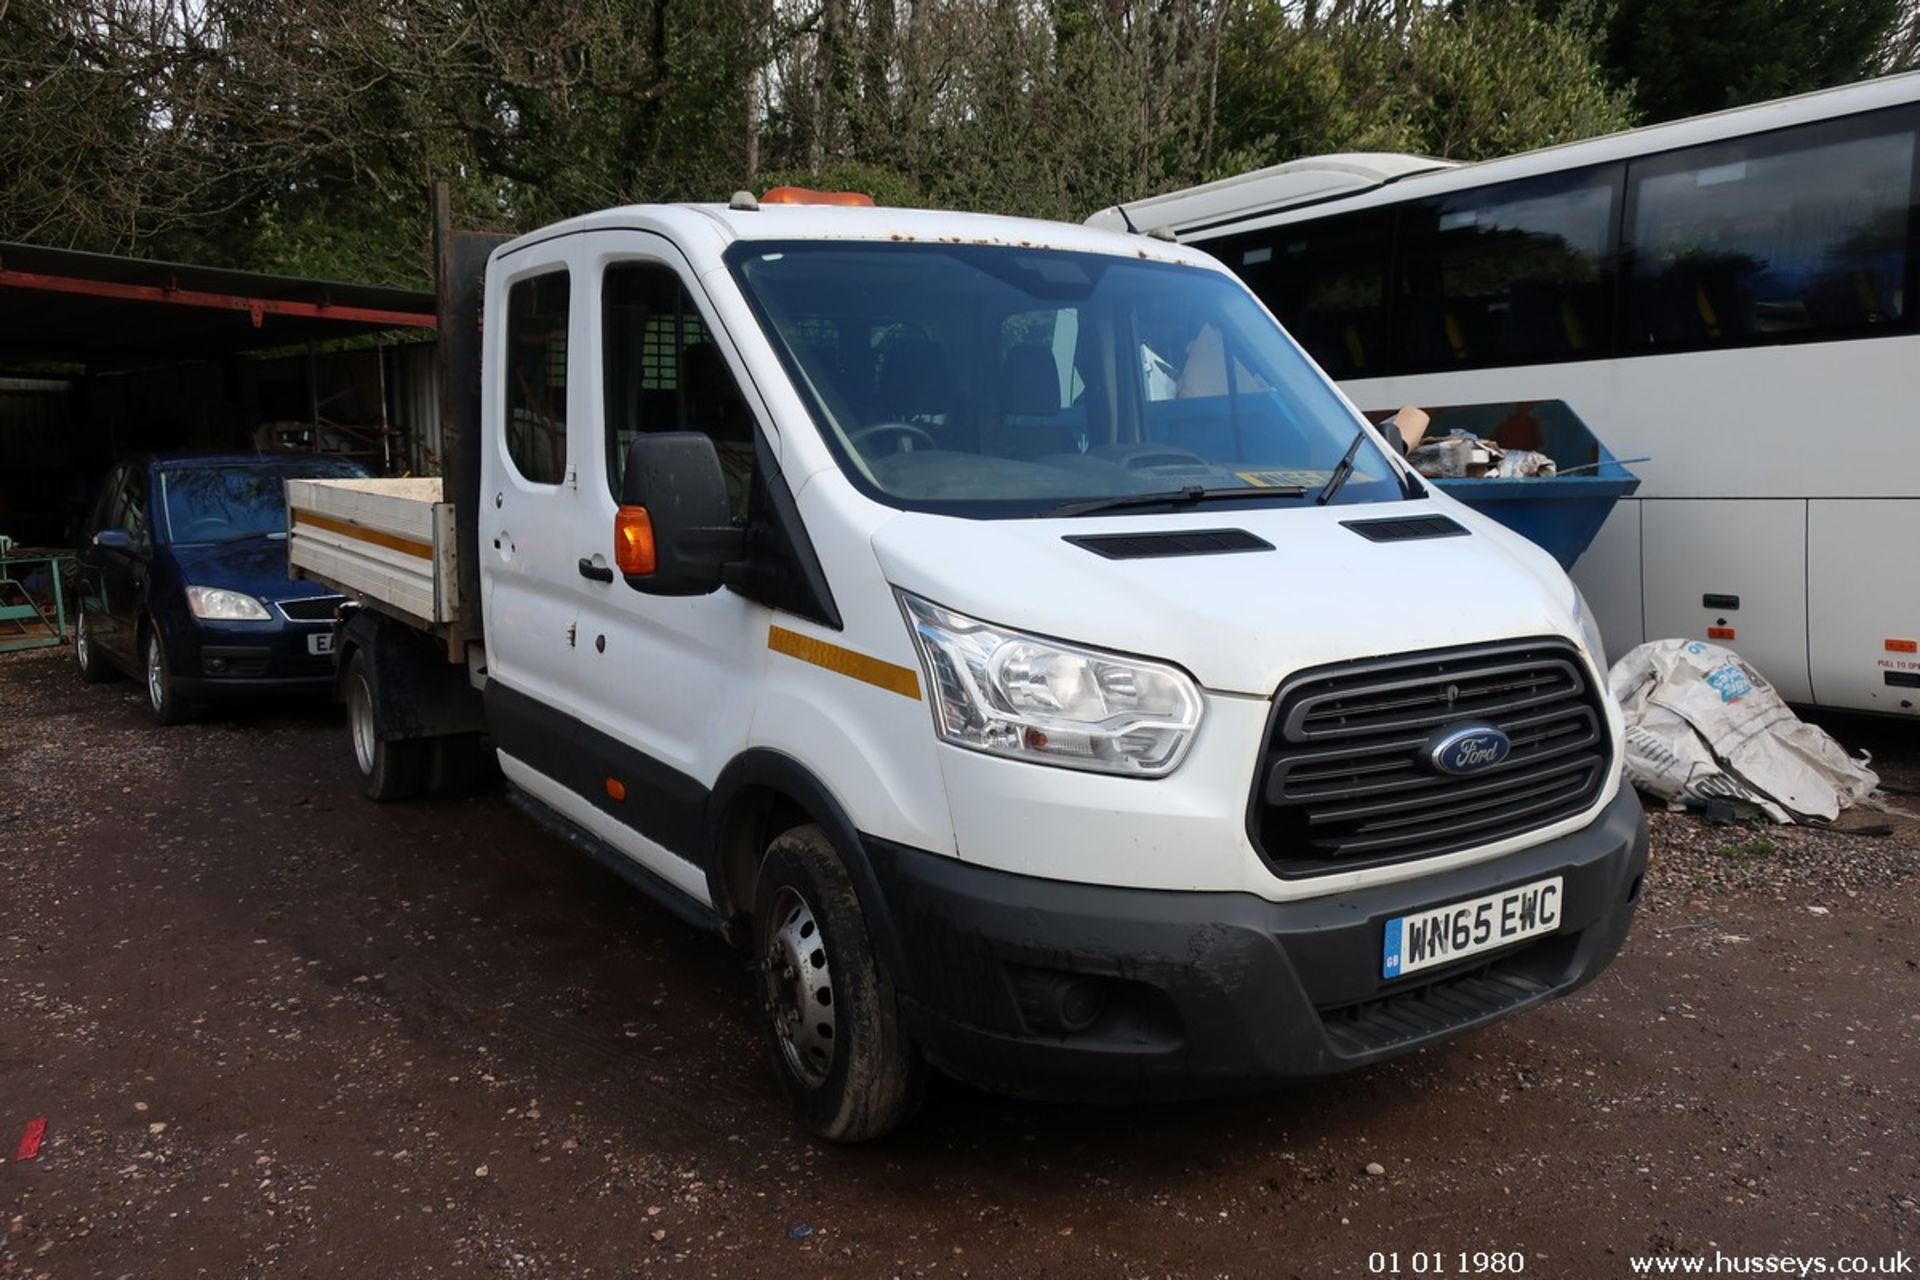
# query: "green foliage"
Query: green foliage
1488,81
1686,57
1499,80
300,135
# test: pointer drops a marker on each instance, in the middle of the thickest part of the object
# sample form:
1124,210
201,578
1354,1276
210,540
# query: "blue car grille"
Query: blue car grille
310,608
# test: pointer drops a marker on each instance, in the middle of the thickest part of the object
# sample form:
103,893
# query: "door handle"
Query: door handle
597,572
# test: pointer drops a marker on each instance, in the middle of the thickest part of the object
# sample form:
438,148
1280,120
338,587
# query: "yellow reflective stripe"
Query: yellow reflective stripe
904,681
359,533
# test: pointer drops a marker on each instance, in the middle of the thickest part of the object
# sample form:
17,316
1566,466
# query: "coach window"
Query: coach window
536,374
1510,274
1327,283
1795,234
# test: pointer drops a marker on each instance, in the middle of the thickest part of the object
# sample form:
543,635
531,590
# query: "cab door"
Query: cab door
530,501
667,684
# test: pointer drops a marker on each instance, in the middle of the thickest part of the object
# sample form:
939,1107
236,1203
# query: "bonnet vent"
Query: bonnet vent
1406,528
1179,542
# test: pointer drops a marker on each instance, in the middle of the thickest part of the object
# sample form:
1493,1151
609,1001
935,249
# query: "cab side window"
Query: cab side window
536,373
664,372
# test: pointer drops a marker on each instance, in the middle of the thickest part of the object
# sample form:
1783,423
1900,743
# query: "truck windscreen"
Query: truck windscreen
995,380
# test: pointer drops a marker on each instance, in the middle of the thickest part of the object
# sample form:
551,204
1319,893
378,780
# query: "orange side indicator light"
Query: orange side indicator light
633,548
1902,646
1719,633
807,195
616,789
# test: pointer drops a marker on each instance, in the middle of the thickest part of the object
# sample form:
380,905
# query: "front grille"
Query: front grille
1345,781
310,608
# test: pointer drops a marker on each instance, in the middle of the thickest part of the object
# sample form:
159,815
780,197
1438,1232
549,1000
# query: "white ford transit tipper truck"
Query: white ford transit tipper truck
1004,632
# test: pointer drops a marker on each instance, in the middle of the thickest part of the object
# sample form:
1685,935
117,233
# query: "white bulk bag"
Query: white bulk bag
1701,723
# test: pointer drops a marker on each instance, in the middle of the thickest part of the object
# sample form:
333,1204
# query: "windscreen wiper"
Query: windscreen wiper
1341,470
1192,495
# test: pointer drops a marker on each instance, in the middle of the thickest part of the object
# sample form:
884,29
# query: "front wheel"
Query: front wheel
390,768
164,702
839,1042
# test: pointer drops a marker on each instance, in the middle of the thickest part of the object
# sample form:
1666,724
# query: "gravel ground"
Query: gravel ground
278,1031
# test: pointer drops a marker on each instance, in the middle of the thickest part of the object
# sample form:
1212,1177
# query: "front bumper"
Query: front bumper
252,686
238,660
1050,988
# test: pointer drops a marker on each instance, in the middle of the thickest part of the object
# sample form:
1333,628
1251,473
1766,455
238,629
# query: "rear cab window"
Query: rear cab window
535,368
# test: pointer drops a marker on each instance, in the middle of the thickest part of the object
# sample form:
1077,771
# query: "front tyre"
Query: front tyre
164,702
840,1046
390,768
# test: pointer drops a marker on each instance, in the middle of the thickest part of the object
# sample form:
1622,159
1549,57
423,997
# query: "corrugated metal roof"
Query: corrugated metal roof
59,305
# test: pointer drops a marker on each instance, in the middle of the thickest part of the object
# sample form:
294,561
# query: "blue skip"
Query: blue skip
1561,514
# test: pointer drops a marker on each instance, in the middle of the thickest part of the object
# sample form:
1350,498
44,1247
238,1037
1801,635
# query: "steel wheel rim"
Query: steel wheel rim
82,643
800,995
156,674
360,722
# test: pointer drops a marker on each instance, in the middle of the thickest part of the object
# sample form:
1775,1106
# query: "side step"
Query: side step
661,891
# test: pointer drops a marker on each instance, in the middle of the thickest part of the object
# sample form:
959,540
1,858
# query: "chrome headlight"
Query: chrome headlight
1011,694
1590,631
217,604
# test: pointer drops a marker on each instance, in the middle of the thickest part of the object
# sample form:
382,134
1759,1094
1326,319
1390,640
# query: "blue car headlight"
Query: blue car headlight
218,604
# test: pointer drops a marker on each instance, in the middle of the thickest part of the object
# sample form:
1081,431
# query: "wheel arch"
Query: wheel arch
417,692
758,795
146,625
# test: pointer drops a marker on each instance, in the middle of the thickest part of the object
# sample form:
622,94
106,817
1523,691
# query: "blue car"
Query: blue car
183,582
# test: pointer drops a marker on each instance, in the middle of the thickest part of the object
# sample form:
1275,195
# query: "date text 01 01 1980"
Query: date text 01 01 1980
1433,1262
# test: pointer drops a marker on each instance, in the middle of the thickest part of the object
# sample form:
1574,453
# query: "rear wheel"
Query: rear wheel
94,667
839,1043
164,702
390,768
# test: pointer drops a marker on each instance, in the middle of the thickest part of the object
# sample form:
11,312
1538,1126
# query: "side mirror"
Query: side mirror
113,540
674,535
